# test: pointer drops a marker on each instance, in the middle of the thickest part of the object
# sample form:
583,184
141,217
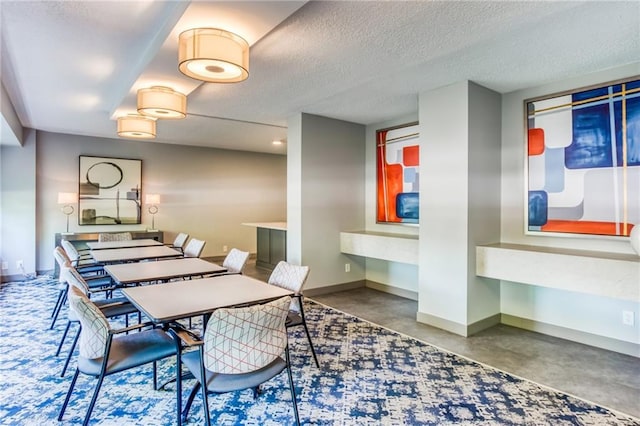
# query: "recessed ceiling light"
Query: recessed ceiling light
277,142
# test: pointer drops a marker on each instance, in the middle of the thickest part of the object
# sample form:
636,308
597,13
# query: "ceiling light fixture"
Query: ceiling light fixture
213,55
162,102
136,126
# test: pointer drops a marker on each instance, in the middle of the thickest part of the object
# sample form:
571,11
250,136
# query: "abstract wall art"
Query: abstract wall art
583,161
109,191
398,172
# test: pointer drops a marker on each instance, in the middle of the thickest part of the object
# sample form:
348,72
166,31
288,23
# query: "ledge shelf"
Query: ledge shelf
392,247
614,275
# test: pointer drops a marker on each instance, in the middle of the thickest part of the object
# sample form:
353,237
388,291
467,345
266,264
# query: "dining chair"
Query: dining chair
82,262
115,236
179,242
194,248
241,349
111,308
235,261
105,351
90,274
293,277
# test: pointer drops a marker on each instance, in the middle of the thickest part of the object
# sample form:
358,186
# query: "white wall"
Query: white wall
17,220
392,274
205,192
328,161
459,205
589,314
444,203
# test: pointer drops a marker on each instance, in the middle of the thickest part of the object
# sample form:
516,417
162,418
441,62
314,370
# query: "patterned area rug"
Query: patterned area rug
369,376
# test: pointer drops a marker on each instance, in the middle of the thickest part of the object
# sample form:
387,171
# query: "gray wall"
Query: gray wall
205,192
326,159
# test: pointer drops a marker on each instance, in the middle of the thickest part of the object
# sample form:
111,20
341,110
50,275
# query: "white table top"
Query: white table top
130,273
133,254
183,299
146,242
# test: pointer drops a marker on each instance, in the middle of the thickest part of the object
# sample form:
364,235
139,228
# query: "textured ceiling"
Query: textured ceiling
72,67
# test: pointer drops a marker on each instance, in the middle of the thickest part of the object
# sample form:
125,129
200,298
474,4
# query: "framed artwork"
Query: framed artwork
109,191
398,172
583,161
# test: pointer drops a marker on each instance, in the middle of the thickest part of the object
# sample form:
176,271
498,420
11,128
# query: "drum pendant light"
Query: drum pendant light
213,55
162,102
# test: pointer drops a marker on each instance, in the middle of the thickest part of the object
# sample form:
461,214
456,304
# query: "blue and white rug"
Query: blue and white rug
369,375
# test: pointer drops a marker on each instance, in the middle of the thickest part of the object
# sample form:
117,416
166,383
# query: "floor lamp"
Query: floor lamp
67,199
152,201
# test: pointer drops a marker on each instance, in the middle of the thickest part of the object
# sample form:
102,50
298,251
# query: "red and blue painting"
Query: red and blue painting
583,160
398,173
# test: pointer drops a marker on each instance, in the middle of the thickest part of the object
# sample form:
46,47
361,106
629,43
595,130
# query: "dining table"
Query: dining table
143,242
133,254
163,270
176,300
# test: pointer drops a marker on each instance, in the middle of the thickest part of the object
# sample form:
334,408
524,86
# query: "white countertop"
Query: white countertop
282,226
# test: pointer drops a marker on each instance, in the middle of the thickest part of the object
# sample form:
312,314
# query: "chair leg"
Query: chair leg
205,405
179,385
155,376
64,336
306,330
257,391
58,302
291,386
94,398
203,382
70,354
57,310
66,400
192,396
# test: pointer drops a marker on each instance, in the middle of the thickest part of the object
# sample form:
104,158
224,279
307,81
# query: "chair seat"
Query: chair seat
90,267
221,383
96,283
130,351
116,307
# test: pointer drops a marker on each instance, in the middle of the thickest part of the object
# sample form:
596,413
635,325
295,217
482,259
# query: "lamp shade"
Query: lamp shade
162,102
213,55
136,126
152,199
67,197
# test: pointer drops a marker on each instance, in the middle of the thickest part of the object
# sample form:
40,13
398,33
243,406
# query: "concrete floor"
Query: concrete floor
606,378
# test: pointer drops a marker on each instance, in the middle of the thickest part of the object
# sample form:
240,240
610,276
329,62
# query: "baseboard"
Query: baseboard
615,345
407,294
10,278
457,328
334,288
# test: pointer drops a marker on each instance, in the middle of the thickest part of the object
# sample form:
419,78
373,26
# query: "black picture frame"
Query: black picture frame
109,191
